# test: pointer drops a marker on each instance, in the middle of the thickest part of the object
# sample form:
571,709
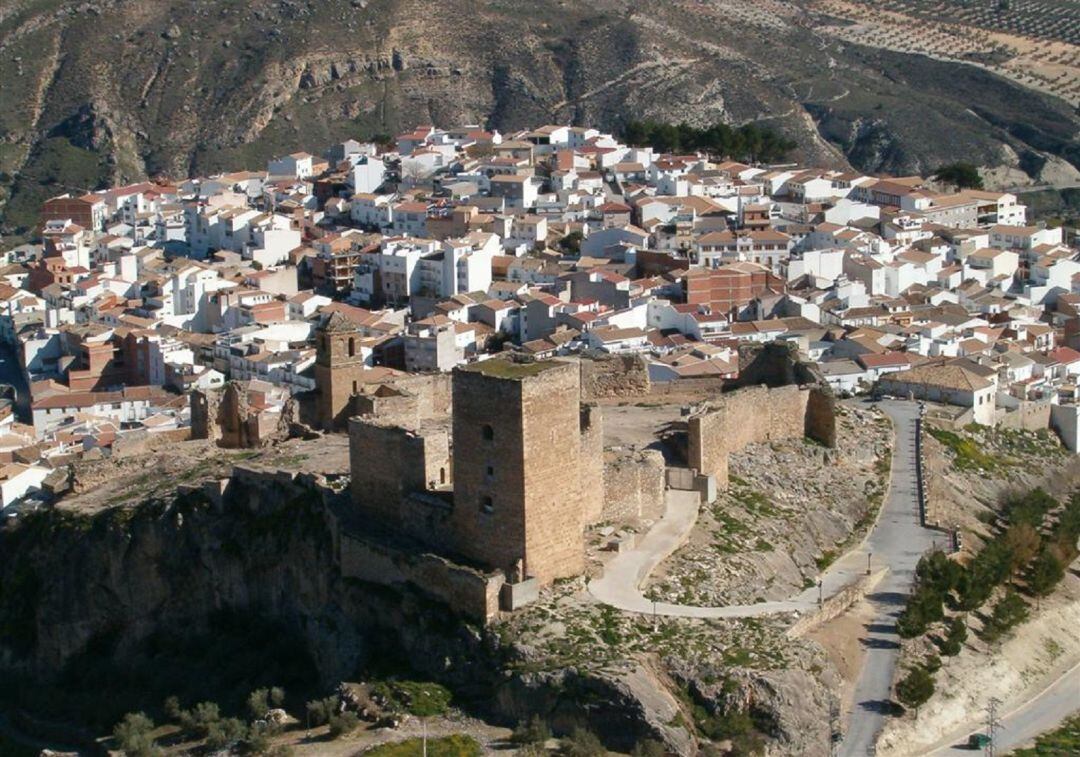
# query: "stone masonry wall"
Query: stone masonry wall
610,376
387,463
434,394
469,592
745,416
633,486
591,464
517,490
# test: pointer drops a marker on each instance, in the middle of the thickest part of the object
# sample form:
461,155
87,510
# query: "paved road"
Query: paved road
897,541
1043,713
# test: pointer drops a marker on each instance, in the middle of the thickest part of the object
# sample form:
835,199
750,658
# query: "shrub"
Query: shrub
582,743
422,699
533,731
649,748
172,709
321,710
1023,542
346,722
261,700
932,664
915,688
198,720
134,735
225,733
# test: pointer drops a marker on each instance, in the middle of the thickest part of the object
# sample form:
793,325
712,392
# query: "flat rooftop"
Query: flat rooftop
508,369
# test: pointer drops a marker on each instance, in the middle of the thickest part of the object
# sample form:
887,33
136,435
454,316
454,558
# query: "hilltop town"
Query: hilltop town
513,374
453,245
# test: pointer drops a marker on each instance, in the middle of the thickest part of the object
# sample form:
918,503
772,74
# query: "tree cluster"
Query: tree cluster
961,175
750,142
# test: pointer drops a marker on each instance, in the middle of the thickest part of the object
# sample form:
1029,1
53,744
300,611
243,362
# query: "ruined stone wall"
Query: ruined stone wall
434,394
775,364
821,415
203,415
389,406
742,417
633,486
467,591
607,376
1028,416
387,463
591,464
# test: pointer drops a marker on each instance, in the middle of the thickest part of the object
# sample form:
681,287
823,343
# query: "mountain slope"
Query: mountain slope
112,90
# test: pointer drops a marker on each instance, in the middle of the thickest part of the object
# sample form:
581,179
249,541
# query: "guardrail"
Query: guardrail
920,484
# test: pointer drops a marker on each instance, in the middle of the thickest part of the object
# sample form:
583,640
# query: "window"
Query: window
352,346
487,505
487,432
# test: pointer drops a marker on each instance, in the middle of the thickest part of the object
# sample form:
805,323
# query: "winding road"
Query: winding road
895,544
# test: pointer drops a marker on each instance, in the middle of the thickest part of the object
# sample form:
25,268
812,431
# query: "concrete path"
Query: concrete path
895,543
1043,713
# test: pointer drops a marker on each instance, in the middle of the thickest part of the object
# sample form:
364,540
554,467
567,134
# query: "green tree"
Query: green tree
134,735
1045,572
198,720
915,689
225,733
1010,611
571,243
961,175
955,635
923,608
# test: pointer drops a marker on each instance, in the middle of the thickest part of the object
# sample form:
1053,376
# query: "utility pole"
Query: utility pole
993,724
425,738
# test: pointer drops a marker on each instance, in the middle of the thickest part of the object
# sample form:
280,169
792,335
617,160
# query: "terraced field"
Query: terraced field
1033,42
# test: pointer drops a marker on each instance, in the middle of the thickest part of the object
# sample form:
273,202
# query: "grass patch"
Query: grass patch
827,558
457,745
967,454
510,370
422,699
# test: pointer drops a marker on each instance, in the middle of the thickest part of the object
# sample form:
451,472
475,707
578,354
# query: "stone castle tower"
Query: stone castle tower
338,369
517,486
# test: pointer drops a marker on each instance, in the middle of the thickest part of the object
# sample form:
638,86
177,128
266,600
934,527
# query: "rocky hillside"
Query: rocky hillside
103,90
137,589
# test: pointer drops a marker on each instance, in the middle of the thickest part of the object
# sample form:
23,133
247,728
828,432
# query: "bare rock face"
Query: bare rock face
791,707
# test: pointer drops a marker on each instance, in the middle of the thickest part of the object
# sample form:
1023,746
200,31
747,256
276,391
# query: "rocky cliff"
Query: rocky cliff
97,91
